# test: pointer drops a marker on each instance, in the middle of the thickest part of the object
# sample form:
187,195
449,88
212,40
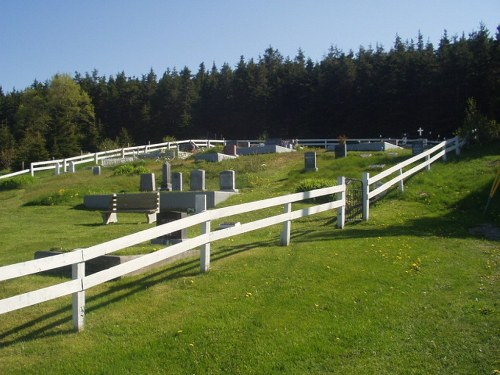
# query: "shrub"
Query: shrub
130,169
60,197
315,183
18,182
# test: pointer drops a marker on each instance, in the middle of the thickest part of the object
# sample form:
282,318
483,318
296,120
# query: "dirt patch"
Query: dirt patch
489,231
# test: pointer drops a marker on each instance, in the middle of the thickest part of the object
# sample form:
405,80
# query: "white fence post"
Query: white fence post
366,200
401,182
32,170
78,272
428,166
287,227
342,197
200,206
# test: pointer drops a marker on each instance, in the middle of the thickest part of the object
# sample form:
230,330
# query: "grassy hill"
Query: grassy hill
411,291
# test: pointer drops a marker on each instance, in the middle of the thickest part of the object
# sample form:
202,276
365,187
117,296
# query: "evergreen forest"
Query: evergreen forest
373,92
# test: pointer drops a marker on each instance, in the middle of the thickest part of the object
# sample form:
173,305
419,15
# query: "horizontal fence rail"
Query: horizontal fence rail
429,156
77,258
70,163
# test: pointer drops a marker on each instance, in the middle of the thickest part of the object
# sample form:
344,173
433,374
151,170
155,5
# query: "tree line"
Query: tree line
370,93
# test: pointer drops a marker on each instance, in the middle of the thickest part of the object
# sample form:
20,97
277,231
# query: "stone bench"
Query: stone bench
147,203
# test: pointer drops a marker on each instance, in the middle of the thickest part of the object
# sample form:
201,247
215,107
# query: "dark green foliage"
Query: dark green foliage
374,92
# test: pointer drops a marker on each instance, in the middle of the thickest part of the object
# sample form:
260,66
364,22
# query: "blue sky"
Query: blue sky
39,38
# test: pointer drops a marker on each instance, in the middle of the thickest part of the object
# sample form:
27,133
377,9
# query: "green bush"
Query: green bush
18,182
60,197
313,183
130,169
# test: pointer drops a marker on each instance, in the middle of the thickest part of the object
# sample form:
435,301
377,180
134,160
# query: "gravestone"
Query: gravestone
166,180
230,150
57,169
417,147
310,161
177,181
341,151
228,181
174,237
96,171
197,180
148,182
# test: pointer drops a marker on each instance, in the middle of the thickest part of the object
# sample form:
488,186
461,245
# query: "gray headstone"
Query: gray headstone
227,180
177,181
96,171
72,167
230,150
57,169
148,182
166,181
174,237
418,147
197,180
310,161
341,151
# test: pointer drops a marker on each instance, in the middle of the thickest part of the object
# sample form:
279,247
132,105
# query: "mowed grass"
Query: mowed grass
411,291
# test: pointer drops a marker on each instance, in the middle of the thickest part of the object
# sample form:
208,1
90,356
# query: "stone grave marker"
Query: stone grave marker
417,147
166,179
341,151
228,181
96,171
57,169
177,181
197,180
148,182
174,237
310,161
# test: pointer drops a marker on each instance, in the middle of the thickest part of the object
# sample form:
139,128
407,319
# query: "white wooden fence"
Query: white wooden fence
77,258
428,157
69,164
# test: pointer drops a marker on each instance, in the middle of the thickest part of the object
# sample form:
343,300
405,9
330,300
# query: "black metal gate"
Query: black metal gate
354,200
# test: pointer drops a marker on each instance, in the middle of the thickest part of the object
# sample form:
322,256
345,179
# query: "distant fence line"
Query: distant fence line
69,164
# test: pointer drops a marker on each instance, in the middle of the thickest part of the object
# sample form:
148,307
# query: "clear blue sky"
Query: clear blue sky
39,38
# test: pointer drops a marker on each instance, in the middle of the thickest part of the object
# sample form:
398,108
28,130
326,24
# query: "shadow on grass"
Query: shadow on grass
119,290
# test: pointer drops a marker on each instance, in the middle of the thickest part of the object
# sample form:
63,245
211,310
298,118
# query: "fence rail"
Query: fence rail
432,155
77,258
98,157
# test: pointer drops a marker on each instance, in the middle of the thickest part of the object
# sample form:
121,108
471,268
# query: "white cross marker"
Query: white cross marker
420,131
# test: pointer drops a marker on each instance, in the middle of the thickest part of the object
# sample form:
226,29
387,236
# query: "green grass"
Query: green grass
408,292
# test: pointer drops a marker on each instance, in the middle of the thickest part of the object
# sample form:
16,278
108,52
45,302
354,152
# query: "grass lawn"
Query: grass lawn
411,291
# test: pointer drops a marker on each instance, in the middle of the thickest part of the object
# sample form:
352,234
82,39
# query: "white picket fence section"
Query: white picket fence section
69,164
428,157
77,258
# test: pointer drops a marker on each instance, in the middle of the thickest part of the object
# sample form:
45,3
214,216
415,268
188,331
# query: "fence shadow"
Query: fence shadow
116,291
